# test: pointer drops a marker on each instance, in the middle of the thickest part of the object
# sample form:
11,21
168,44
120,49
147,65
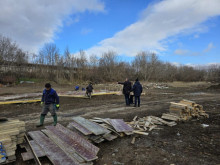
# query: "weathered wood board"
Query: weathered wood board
75,142
37,149
120,126
91,126
52,151
80,128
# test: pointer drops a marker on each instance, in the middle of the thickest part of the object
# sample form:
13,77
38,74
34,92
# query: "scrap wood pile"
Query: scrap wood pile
11,133
148,123
184,110
98,129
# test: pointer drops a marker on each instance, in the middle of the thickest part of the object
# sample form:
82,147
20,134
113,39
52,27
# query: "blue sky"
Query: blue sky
179,31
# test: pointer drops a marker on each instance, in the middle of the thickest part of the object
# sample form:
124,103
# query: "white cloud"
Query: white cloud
31,23
209,47
181,52
85,31
157,23
196,36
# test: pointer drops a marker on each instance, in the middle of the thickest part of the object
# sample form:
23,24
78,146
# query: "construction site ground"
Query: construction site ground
186,143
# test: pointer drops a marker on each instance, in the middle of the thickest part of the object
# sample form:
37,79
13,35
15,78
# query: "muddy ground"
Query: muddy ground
186,143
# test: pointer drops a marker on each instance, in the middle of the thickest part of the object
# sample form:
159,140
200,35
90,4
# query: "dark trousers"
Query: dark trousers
137,99
131,99
127,99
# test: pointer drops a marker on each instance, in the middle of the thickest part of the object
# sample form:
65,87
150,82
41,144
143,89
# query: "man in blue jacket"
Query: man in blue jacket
137,89
50,102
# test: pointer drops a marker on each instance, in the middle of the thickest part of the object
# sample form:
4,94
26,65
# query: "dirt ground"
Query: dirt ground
186,143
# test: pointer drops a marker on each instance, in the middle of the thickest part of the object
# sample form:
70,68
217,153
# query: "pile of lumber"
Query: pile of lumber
61,146
11,134
148,123
72,145
184,110
99,129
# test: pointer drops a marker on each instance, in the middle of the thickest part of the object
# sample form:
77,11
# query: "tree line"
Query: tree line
50,64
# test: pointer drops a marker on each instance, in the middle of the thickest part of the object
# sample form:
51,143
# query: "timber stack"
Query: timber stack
11,134
184,110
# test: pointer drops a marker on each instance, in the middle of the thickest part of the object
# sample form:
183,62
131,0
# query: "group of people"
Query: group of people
50,99
130,91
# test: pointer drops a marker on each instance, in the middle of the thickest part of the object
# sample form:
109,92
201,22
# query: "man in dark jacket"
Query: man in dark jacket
50,102
137,89
89,89
126,90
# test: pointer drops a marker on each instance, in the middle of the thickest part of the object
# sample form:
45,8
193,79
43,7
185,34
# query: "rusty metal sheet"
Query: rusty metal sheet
80,128
91,126
37,149
120,126
52,151
75,142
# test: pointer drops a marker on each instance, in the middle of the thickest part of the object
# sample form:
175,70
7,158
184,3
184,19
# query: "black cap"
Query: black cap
47,85
137,79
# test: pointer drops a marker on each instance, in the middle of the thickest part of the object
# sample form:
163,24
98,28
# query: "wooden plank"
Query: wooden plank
52,151
19,102
37,149
74,141
141,133
63,146
76,136
172,123
80,128
170,117
120,126
187,102
32,150
91,126
133,140
109,136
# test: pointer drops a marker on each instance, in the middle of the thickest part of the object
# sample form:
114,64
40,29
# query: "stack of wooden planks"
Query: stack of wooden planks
99,129
61,146
72,145
184,110
11,133
148,123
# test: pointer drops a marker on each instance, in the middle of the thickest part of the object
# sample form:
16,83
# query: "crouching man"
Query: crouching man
50,102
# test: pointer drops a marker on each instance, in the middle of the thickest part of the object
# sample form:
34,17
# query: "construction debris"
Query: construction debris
184,110
133,140
61,146
12,134
98,129
148,123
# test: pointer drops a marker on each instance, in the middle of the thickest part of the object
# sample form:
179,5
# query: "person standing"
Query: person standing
126,90
137,89
89,90
50,102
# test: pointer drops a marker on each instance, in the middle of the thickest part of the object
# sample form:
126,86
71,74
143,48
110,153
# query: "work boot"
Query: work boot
55,120
42,117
